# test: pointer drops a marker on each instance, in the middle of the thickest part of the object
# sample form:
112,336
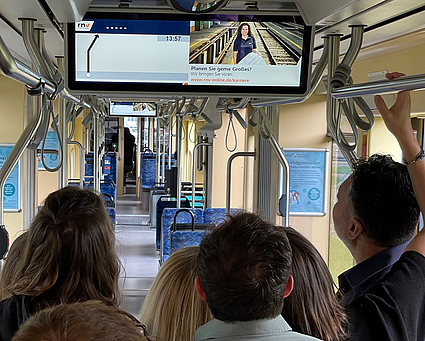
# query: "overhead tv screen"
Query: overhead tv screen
168,54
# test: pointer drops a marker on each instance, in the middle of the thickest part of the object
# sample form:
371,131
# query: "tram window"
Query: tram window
340,258
165,54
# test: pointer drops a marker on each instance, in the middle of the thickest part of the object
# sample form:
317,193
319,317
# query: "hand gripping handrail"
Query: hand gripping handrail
15,154
315,79
229,175
194,168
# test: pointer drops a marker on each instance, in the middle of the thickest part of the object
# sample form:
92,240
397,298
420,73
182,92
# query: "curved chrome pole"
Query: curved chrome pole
17,151
32,47
229,175
355,45
331,103
282,160
194,168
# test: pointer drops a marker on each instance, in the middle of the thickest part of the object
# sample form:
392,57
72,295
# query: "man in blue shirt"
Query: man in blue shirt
376,216
243,269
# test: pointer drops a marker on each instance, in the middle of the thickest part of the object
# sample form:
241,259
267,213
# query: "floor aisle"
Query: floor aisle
135,243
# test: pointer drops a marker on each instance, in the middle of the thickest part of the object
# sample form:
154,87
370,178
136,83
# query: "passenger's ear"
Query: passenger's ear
355,230
289,286
199,289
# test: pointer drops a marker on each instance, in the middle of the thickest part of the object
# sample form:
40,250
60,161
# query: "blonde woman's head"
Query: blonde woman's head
172,309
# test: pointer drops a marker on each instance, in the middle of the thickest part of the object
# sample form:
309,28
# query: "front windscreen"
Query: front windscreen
177,54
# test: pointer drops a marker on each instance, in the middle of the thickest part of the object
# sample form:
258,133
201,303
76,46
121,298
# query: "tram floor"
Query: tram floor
135,244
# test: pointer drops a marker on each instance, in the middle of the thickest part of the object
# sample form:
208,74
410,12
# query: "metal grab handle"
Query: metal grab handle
229,175
194,168
184,210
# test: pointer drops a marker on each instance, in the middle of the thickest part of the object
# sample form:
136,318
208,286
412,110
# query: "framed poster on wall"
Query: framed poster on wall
51,160
12,192
308,184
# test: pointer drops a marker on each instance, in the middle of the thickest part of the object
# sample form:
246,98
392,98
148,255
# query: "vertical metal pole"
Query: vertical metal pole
96,152
178,161
282,160
332,104
194,168
82,166
33,106
158,149
170,139
163,152
208,174
63,131
138,151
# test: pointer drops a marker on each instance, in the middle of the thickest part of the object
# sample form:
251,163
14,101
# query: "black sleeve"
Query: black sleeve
13,313
394,309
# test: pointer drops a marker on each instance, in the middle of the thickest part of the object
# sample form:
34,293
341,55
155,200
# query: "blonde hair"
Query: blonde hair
172,309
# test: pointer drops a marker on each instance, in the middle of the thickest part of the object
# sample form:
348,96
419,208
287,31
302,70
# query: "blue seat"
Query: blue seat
148,170
217,215
160,206
167,221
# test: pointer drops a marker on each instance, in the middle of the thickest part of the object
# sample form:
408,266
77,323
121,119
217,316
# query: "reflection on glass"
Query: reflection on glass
197,6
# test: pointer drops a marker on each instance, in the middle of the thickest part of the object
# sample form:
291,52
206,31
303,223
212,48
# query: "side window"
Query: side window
340,258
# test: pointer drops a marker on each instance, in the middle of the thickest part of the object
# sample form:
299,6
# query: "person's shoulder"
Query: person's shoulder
14,312
295,336
15,303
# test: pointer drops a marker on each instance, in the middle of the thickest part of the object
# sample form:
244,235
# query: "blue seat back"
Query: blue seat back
167,221
160,206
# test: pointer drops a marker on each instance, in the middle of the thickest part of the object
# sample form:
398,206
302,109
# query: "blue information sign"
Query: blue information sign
51,160
308,181
12,187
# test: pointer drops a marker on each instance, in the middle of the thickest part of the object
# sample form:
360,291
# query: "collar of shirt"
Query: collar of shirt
356,281
216,329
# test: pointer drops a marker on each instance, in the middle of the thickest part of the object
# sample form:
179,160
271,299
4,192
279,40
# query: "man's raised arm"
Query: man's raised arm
397,120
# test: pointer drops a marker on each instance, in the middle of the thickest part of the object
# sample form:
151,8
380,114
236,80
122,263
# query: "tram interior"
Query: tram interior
161,132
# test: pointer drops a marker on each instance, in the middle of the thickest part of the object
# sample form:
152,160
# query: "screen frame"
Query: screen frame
135,115
172,90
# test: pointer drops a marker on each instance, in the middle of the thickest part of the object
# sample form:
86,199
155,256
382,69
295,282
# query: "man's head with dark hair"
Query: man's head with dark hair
243,267
379,196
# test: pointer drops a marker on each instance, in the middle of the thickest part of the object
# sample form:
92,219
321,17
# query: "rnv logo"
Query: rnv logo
83,26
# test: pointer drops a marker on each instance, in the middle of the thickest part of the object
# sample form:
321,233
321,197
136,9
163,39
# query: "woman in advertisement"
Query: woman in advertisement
244,43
